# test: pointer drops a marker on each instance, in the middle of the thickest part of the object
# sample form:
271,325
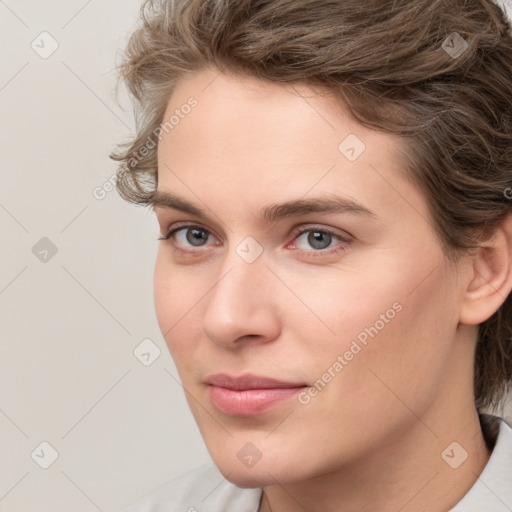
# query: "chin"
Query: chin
264,472
248,480
255,478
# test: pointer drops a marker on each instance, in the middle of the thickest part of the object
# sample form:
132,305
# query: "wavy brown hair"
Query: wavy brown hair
437,73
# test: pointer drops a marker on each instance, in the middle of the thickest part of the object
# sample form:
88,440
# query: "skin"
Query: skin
372,439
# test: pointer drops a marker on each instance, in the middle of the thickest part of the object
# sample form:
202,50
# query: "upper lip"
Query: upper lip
249,381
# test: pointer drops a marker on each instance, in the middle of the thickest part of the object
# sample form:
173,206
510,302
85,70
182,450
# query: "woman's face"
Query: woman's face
338,328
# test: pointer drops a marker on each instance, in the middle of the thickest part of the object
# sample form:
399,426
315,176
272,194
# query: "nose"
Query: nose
240,307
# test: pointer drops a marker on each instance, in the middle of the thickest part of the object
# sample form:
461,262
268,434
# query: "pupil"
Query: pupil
319,240
198,235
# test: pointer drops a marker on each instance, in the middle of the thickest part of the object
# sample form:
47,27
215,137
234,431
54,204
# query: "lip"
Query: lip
249,395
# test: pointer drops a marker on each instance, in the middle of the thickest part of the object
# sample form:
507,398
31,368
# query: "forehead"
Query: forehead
242,112
246,139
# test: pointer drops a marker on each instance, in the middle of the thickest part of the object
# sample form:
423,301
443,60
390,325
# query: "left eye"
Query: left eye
317,239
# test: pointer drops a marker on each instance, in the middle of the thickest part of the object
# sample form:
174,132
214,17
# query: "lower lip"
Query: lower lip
249,402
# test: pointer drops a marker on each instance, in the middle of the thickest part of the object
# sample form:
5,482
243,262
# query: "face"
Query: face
304,334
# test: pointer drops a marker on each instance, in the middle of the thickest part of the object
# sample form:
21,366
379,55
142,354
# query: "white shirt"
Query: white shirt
205,489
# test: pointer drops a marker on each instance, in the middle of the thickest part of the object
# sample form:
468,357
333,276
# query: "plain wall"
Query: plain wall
69,324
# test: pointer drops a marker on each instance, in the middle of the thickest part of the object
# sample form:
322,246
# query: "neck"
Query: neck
413,471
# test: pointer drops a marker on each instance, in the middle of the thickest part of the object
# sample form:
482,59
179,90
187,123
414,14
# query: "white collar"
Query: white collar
492,491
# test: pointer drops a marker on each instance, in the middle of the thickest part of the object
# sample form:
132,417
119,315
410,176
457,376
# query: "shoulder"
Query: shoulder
203,489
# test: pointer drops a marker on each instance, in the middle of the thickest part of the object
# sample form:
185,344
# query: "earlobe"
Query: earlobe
491,278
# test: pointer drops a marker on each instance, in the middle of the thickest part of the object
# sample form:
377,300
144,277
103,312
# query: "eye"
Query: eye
321,240
317,239
196,237
193,235
310,240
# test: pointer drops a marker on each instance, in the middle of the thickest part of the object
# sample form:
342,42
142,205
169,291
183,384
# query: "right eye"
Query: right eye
184,238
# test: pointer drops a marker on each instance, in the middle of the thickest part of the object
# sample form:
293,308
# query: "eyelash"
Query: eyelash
297,232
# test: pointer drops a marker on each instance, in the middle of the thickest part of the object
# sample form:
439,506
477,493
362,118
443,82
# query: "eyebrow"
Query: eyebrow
330,203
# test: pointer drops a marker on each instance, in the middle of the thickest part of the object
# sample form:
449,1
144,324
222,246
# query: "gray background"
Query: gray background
71,319
69,324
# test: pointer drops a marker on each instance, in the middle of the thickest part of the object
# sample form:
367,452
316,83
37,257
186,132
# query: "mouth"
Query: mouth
249,395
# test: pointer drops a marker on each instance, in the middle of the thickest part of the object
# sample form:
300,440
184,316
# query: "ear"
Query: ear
490,281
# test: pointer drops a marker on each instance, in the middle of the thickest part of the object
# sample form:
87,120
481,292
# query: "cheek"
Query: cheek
174,300
333,307
404,361
176,290
397,324
164,291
